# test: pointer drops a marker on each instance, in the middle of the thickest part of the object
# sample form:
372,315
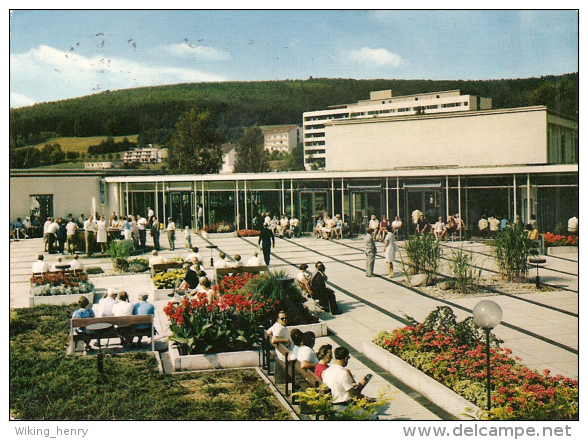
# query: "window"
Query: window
41,206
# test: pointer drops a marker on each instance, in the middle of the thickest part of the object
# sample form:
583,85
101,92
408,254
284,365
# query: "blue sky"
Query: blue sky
64,54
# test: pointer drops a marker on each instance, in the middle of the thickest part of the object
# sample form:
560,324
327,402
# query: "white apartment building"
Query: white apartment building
143,155
97,165
381,104
281,138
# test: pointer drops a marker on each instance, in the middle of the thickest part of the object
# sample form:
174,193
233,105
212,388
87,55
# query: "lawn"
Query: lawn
81,144
47,384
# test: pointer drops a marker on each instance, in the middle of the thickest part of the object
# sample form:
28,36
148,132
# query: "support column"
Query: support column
127,197
203,207
529,207
283,207
514,193
387,200
291,197
245,201
397,196
332,197
156,202
237,204
446,197
459,204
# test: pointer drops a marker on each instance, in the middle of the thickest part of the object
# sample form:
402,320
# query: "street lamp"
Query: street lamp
487,315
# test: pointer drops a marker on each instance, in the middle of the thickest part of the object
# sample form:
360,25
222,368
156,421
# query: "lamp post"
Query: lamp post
487,315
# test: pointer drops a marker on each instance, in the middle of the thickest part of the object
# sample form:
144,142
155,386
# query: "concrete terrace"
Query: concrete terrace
541,328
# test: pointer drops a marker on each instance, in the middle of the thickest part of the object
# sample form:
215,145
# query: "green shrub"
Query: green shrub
119,253
462,270
511,250
423,253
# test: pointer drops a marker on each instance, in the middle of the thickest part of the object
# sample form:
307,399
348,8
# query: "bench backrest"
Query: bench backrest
161,267
115,320
222,271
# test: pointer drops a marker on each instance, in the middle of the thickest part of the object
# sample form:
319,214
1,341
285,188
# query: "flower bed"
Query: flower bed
230,323
453,354
246,305
560,240
218,228
247,233
167,280
60,283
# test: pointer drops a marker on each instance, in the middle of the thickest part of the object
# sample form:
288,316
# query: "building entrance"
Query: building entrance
364,204
181,208
312,203
425,198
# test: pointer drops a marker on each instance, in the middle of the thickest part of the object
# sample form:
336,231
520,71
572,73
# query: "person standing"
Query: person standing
61,235
150,215
52,230
155,232
90,231
71,228
200,216
370,252
46,234
266,241
142,227
390,250
171,233
101,234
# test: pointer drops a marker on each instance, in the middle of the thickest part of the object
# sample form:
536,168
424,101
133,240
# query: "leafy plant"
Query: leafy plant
287,297
423,253
462,270
511,250
119,253
318,401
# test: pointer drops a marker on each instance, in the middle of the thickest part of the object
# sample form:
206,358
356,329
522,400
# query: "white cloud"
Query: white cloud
19,100
380,57
48,74
205,53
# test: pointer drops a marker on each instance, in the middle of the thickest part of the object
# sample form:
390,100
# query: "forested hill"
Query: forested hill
152,112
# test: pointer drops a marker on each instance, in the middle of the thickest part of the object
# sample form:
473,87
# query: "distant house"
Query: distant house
143,155
97,165
228,158
281,138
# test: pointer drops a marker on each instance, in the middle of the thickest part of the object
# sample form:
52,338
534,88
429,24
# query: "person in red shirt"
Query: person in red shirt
325,355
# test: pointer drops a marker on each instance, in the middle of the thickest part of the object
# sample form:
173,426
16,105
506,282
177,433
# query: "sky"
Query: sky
62,54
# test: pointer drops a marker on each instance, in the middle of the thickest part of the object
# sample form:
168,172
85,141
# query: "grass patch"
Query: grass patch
81,144
47,384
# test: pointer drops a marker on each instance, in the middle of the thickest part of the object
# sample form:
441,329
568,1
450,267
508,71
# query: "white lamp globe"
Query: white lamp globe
487,314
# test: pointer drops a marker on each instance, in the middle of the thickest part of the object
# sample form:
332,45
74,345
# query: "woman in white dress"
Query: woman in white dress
390,251
101,234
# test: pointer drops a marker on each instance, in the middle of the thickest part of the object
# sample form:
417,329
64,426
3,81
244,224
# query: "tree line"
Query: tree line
152,112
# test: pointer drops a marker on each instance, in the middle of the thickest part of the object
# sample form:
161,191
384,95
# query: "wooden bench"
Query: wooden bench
164,267
309,294
222,271
121,326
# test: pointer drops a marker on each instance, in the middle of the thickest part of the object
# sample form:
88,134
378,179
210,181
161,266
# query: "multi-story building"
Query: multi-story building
143,155
380,104
281,138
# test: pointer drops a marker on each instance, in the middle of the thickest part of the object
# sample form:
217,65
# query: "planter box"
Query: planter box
59,299
319,329
428,387
160,294
562,250
237,359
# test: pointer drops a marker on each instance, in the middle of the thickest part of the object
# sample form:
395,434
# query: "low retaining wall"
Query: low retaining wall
428,387
195,362
56,300
562,250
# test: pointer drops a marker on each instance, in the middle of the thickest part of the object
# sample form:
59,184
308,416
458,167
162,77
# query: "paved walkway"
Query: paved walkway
541,328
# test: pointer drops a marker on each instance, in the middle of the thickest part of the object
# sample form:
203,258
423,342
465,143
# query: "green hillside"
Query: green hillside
152,112
81,144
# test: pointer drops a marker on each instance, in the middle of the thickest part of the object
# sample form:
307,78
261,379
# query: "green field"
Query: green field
81,144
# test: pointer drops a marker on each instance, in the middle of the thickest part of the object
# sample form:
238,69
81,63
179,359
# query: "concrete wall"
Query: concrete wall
477,139
73,195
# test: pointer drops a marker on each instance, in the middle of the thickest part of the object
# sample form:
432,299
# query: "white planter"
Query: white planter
562,250
319,329
237,359
56,300
160,294
428,387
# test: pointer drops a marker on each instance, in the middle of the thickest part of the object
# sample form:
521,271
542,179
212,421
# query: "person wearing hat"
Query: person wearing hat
142,308
106,303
